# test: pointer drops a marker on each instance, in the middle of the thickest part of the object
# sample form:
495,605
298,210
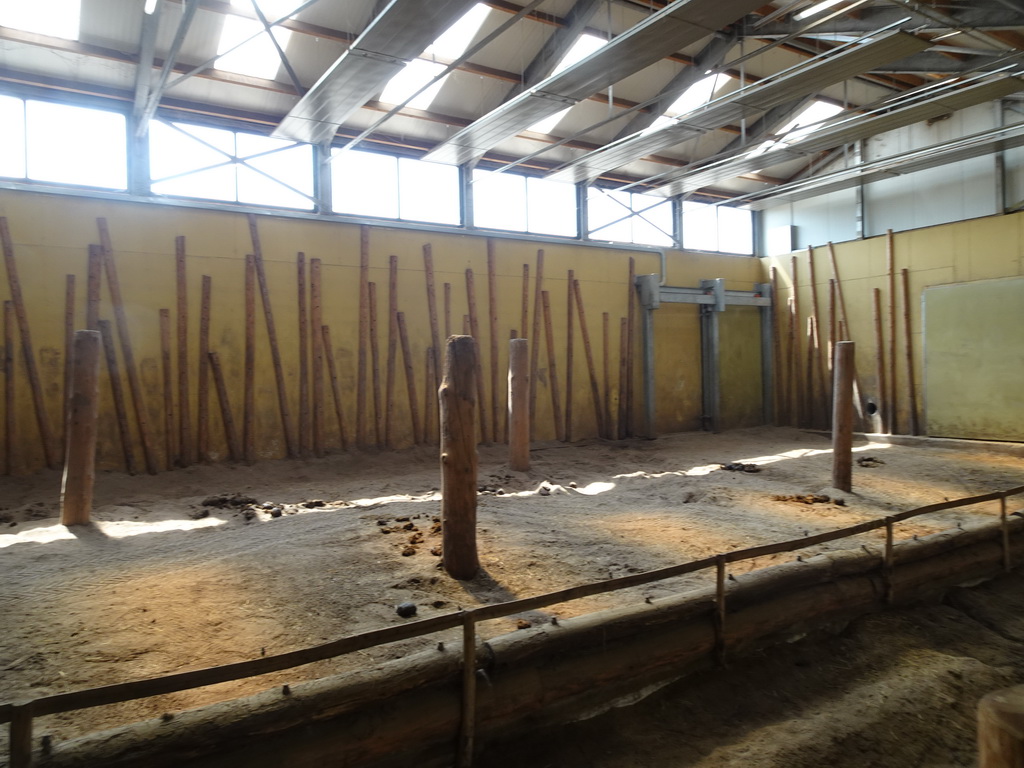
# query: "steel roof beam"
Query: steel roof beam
378,54
679,24
556,46
710,57
985,19
804,79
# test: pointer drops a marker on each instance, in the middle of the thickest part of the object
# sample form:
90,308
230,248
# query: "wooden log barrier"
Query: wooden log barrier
842,416
1001,729
519,405
457,396
83,408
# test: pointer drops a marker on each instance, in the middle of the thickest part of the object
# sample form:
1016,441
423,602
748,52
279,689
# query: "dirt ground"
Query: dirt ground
215,564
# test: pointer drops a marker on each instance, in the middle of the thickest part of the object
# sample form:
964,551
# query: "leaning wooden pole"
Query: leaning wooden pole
83,409
249,371
549,339
915,427
629,430
45,433
117,394
203,393
185,445
69,343
378,407
316,356
428,269
130,369
595,391
474,330
519,405
305,423
364,330
458,407
569,342
228,421
167,375
9,414
842,417
890,258
882,405
332,371
410,379
389,381
800,410
492,306
535,339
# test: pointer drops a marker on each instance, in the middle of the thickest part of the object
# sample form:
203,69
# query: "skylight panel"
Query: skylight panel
450,45
815,9
583,47
56,18
256,57
697,95
804,123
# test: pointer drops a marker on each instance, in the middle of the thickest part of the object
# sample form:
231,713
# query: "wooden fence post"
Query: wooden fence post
83,407
1001,729
458,405
842,416
519,405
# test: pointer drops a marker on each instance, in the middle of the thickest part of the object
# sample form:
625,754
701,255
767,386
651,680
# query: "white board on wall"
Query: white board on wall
974,359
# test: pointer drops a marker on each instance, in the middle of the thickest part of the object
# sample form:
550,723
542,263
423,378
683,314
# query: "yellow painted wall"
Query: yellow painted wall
979,249
51,234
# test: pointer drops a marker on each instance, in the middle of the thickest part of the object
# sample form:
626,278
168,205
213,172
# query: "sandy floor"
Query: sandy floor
327,548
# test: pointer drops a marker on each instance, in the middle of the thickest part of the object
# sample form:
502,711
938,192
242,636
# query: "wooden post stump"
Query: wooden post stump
83,408
842,416
519,405
457,398
1001,729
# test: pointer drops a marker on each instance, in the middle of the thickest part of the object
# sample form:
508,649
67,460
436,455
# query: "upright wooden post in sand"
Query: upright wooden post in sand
457,397
1000,729
519,405
842,416
83,407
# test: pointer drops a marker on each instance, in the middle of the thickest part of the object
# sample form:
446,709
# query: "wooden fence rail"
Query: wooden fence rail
20,714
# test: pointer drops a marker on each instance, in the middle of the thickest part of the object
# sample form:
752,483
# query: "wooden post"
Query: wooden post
595,393
606,403
623,432
549,339
911,380
165,366
842,417
378,413
474,331
9,431
203,395
332,370
94,281
364,330
130,369
535,338
249,380
630,333
69,343
458,458
117,393
428,268
890,258
569,354
83,408
230,433
882,405
410,379
492,306
45,434
305,424
389,382
185,446
1001,729
317,355
519,405
791,404
797,388
447,310
524,310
